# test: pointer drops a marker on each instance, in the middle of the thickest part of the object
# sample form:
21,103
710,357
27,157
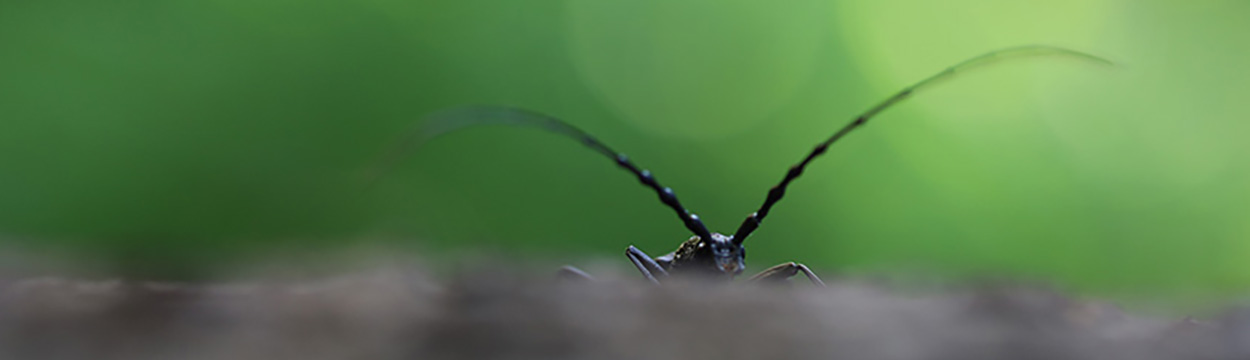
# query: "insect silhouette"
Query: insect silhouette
705,253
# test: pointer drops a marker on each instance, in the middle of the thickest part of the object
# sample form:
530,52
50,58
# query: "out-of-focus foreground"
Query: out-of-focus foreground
401,312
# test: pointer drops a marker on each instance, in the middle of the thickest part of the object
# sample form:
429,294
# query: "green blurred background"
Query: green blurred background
170,137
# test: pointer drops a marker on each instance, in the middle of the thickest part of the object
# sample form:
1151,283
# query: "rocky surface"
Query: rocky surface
401,313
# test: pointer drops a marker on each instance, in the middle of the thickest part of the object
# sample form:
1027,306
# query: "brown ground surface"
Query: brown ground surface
402,313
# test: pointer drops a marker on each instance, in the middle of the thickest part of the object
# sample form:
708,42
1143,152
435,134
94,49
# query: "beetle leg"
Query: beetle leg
645,264
785,271
573,273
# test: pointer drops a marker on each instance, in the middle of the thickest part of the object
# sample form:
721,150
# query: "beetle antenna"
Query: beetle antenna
449,120
753,221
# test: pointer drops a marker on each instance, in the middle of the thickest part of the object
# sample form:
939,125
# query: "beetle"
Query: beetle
705,253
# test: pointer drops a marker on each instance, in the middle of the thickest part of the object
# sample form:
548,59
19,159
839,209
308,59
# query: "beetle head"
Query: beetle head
729,257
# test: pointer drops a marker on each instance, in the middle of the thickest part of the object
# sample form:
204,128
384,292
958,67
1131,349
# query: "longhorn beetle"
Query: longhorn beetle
707,253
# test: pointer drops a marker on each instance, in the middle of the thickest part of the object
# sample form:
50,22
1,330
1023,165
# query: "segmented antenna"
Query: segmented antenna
456,118
753,221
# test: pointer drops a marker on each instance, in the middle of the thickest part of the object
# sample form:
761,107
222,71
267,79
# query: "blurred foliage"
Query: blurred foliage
175,135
